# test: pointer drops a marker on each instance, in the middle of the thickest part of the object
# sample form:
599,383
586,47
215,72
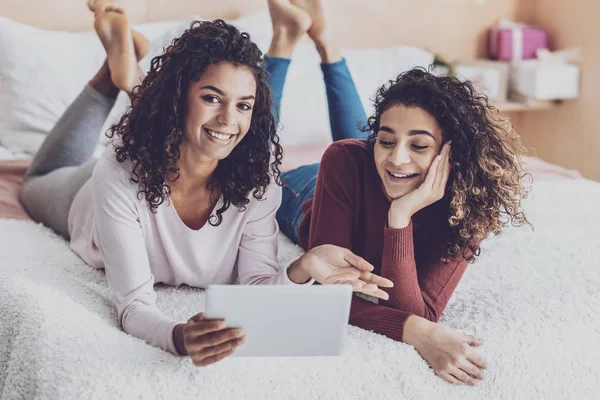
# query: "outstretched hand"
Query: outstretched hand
329,264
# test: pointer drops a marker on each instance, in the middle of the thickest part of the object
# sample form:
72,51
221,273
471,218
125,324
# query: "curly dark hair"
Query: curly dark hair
151,129
486,183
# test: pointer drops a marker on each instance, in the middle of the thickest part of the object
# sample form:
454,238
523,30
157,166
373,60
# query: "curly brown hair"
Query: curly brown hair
486,183
151,129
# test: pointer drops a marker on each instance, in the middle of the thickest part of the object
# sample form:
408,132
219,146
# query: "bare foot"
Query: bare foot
289,24
93,4
140,42
318,30
114,31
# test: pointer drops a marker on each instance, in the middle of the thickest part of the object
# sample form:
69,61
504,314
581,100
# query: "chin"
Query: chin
218,154
396,194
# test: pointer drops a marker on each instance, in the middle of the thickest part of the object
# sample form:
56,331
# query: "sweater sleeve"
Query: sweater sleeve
383,320
257,262
422,290
121,243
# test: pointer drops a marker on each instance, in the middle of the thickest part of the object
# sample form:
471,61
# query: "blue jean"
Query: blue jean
346,115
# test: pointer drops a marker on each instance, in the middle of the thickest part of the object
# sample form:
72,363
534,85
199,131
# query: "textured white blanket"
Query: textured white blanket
533,296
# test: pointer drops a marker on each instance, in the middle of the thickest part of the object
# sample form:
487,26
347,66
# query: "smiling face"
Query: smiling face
219,111
408,140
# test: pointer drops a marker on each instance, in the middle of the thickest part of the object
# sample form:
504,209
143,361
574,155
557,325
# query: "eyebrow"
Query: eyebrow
413,132
215,89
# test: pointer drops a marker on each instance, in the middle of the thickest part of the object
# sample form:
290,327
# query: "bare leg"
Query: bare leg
141,44
290,23
114,31
318,31
103,83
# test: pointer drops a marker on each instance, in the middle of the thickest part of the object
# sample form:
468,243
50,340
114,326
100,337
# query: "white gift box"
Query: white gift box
544,80
490,77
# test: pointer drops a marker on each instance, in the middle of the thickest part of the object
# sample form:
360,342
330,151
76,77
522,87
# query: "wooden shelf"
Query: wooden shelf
513,106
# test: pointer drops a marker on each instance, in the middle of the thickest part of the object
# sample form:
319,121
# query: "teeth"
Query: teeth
400,175
219,136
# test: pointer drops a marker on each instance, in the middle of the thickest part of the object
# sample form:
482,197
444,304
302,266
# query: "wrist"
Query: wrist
398,220
297,272
416,329
178,340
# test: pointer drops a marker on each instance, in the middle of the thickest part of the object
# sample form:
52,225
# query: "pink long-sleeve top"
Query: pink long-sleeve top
350,209
111,227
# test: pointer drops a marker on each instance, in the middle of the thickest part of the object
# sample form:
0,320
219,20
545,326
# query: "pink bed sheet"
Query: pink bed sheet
11,177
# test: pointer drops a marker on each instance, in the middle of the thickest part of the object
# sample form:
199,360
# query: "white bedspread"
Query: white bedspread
533,296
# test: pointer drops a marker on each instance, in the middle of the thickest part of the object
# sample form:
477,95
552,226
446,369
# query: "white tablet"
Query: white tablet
282,320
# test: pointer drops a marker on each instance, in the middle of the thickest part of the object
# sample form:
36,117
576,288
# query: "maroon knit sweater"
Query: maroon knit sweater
349,209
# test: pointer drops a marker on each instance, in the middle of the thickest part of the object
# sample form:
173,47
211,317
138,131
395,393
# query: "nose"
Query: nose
400,155
226,115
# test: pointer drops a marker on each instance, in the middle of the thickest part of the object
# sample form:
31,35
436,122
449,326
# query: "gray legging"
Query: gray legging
63,163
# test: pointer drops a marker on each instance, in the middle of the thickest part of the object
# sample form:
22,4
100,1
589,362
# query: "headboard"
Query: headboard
454,28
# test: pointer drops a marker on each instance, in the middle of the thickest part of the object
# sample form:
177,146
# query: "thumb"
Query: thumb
197,318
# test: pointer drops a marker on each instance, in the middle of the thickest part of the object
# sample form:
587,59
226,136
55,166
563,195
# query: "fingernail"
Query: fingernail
239,333
222,324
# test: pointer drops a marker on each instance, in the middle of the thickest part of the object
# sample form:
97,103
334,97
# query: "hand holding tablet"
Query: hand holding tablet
206,341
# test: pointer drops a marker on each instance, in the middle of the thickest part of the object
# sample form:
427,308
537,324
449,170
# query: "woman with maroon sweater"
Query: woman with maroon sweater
437,174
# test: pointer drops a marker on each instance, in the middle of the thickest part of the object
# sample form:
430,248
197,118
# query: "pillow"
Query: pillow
41,73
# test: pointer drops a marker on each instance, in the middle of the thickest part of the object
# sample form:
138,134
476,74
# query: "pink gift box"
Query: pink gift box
516,42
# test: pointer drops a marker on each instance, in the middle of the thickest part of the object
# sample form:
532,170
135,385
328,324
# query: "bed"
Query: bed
533,296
